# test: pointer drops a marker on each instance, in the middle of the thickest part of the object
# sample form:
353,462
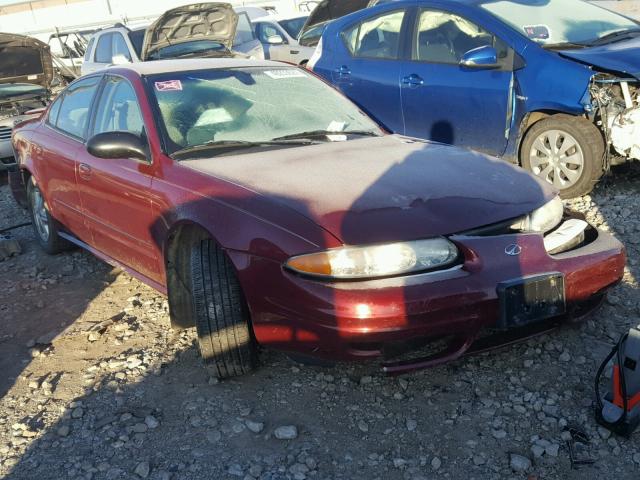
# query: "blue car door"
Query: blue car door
445,101
367,66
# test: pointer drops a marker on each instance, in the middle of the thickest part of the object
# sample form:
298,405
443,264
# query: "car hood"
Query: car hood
623,57
212,21
385,188
25,60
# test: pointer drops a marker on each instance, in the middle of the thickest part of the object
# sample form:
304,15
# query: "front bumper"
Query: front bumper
364,319
7,160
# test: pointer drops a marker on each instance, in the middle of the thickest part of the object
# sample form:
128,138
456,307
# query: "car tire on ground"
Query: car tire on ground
44,225
221,314
565,151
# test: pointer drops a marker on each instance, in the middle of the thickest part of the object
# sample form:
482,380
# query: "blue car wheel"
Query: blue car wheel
566,152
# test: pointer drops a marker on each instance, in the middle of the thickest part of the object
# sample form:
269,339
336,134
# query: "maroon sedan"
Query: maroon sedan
273,212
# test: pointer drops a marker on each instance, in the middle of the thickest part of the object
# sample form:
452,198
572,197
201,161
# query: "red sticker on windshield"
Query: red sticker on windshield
169,85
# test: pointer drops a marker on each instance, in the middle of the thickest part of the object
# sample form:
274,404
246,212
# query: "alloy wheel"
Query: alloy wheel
557,158
40,215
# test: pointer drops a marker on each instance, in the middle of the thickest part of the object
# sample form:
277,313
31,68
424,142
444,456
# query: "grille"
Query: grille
5,133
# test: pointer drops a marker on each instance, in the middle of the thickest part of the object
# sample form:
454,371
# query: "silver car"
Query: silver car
26,73
279,37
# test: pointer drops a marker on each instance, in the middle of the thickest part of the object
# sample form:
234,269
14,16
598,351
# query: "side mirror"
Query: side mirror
118,145
275,40
485,57
119,59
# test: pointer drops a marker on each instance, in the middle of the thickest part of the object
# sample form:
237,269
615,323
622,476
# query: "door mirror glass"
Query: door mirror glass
275,40
485,57
117,145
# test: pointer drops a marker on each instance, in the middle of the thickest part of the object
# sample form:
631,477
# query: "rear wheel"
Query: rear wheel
221,314
44,225
566,152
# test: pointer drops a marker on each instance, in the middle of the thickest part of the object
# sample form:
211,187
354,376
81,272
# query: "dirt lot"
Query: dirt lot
94,385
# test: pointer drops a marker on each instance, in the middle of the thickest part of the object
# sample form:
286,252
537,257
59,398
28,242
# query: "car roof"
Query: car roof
155,67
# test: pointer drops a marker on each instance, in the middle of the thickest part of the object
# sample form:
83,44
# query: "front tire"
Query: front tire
221,314
566,152
44,225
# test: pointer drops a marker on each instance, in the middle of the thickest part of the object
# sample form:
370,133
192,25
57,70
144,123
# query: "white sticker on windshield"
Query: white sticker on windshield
169,85
285,73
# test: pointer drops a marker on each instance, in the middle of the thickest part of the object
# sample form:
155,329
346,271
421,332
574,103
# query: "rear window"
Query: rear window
311,37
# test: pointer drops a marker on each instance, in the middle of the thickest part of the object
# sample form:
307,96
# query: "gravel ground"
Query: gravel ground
95,385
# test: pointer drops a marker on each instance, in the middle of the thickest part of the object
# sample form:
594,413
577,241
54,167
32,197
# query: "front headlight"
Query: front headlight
543,219
376,260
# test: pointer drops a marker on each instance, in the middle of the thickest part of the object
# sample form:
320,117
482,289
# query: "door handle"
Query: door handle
412,80
84,171
343,71
294,52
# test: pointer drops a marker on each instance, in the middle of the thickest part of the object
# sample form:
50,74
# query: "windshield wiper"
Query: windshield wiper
563,45
201,53
326,133
229,145
613,36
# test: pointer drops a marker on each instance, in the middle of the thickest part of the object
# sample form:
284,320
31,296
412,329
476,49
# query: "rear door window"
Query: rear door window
103,48
377,37
54,110
73,116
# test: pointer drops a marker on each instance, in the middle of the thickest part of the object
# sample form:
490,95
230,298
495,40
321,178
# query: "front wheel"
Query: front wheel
44,225
221,313
566,152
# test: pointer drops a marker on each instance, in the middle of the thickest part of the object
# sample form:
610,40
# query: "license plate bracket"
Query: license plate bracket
530,299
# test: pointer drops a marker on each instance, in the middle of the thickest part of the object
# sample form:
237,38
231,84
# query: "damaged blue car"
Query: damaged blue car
552,85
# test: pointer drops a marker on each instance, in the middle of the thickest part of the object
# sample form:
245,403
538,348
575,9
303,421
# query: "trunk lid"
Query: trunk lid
385,189
213,21
328,10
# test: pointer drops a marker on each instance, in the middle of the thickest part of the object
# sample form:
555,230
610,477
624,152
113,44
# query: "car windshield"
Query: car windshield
552,22
9,90
195,47
293,26
251,105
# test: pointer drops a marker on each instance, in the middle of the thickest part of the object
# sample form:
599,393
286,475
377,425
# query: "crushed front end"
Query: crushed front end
615,108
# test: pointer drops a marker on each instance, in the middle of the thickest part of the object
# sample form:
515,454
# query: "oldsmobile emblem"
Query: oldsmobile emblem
513,250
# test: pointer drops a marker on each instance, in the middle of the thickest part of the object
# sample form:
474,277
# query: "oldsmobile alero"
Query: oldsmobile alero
273,212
